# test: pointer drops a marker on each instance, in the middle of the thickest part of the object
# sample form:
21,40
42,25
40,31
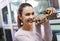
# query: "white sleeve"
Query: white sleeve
23,38
38,28
48,31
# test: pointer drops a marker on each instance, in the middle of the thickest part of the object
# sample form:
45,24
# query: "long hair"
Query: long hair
20,9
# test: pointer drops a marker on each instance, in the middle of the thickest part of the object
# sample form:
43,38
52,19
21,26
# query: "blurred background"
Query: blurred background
8,17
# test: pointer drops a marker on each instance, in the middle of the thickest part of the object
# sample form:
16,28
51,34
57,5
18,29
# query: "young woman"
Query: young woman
29,30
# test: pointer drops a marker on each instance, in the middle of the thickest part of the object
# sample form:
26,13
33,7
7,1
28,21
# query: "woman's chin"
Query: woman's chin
31,23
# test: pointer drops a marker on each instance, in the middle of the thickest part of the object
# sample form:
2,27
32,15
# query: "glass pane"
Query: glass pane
12,17
1,34
58,36
1,0
54,3
14,8
4,13
8,35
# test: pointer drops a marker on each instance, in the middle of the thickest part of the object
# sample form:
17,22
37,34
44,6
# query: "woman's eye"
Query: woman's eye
27,14
33,13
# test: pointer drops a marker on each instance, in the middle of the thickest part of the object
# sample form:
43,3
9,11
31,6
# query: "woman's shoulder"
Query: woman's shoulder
21,35
18,32
21,32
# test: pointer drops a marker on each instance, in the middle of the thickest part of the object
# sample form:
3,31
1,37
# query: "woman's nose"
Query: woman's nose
31,16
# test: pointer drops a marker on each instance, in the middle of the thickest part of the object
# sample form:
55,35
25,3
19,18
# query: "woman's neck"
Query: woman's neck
27,27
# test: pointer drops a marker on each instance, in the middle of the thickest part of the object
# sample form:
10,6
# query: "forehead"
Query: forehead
28,9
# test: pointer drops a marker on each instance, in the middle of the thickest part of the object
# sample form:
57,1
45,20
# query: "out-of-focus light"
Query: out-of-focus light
14,0
1,0
33,3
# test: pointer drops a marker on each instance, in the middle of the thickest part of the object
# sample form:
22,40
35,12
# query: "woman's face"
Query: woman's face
28,15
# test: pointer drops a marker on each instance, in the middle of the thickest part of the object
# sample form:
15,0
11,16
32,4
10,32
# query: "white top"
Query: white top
22,35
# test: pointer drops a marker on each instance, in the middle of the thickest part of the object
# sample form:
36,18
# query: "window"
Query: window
1,0
1,34
4,13
12,17
54,3
58,36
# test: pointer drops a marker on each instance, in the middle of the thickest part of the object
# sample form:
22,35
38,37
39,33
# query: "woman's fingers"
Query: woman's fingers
42,19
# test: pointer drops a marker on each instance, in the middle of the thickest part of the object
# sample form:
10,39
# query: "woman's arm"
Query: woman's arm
38,28
47,31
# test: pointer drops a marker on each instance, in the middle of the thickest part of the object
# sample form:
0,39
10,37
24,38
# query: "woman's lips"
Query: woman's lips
30,20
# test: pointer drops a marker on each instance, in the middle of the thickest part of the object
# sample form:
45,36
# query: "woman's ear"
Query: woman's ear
19,16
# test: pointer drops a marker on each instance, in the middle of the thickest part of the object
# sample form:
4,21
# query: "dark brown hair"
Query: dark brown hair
20,9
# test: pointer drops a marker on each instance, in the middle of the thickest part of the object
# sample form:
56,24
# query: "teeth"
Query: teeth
30,20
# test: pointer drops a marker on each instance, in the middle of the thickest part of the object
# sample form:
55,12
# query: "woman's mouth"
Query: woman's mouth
30,20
